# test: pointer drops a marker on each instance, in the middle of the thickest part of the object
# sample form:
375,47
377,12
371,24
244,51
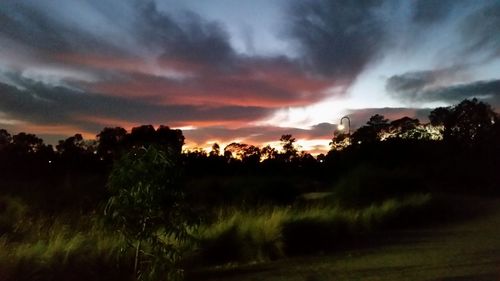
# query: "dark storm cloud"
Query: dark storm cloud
432,11
342,38
488,91
185,37
480,29
27,25
338,38
190,37
43,104
410,85
183,42
420,87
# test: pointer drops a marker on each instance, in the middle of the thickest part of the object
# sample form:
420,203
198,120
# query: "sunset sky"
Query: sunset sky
234,70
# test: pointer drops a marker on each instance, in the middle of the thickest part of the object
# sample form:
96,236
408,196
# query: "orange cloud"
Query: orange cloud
248,82
258,87
103,62
63,131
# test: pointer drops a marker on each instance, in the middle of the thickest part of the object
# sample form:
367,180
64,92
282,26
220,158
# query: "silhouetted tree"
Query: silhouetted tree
370,132
215,150
340,141
236,150
5,139
268,152
251,155
71,145
197,154
111,142
77,153
289,150
321,158
405,124
172,138
378,122
469,122
306,160
27,143
142,136
439,116
405,128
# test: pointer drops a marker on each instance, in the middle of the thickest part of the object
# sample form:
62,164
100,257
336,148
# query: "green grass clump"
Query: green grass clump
12,210
42,249
243,236
71,248
266,234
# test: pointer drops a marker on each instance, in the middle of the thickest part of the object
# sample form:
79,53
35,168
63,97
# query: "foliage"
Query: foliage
12,210
470,122
289,149
84,248
147,206
5,138
340,141
370,133
62,248
268,233
215,150
367,184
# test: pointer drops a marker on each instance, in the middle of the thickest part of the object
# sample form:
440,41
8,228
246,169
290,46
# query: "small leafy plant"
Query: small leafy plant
147,207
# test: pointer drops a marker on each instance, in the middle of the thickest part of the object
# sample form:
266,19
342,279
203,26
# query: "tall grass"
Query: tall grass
69,248
242,236
12,210
62,249
270,233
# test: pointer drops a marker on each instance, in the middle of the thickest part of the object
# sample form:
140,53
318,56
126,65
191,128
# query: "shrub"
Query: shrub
12,211
368,184
266,234
76,249
243,236
147,206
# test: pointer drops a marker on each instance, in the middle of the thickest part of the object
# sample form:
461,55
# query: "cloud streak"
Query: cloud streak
427,86
337,38
40,103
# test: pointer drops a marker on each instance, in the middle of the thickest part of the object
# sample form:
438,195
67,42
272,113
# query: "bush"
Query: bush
58,249
12,211
243,236
147,206
368,184
266,234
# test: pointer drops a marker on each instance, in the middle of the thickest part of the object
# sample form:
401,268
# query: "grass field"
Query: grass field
398,240
458,251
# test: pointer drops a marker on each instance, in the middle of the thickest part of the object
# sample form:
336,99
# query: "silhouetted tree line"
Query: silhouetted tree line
458,150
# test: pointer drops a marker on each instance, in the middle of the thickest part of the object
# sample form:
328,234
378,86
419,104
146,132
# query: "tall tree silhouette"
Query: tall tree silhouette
172,138
24,143
5,139
289,150
370,132
111,141
469,122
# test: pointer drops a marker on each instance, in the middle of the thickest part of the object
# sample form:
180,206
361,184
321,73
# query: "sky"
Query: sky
245,71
